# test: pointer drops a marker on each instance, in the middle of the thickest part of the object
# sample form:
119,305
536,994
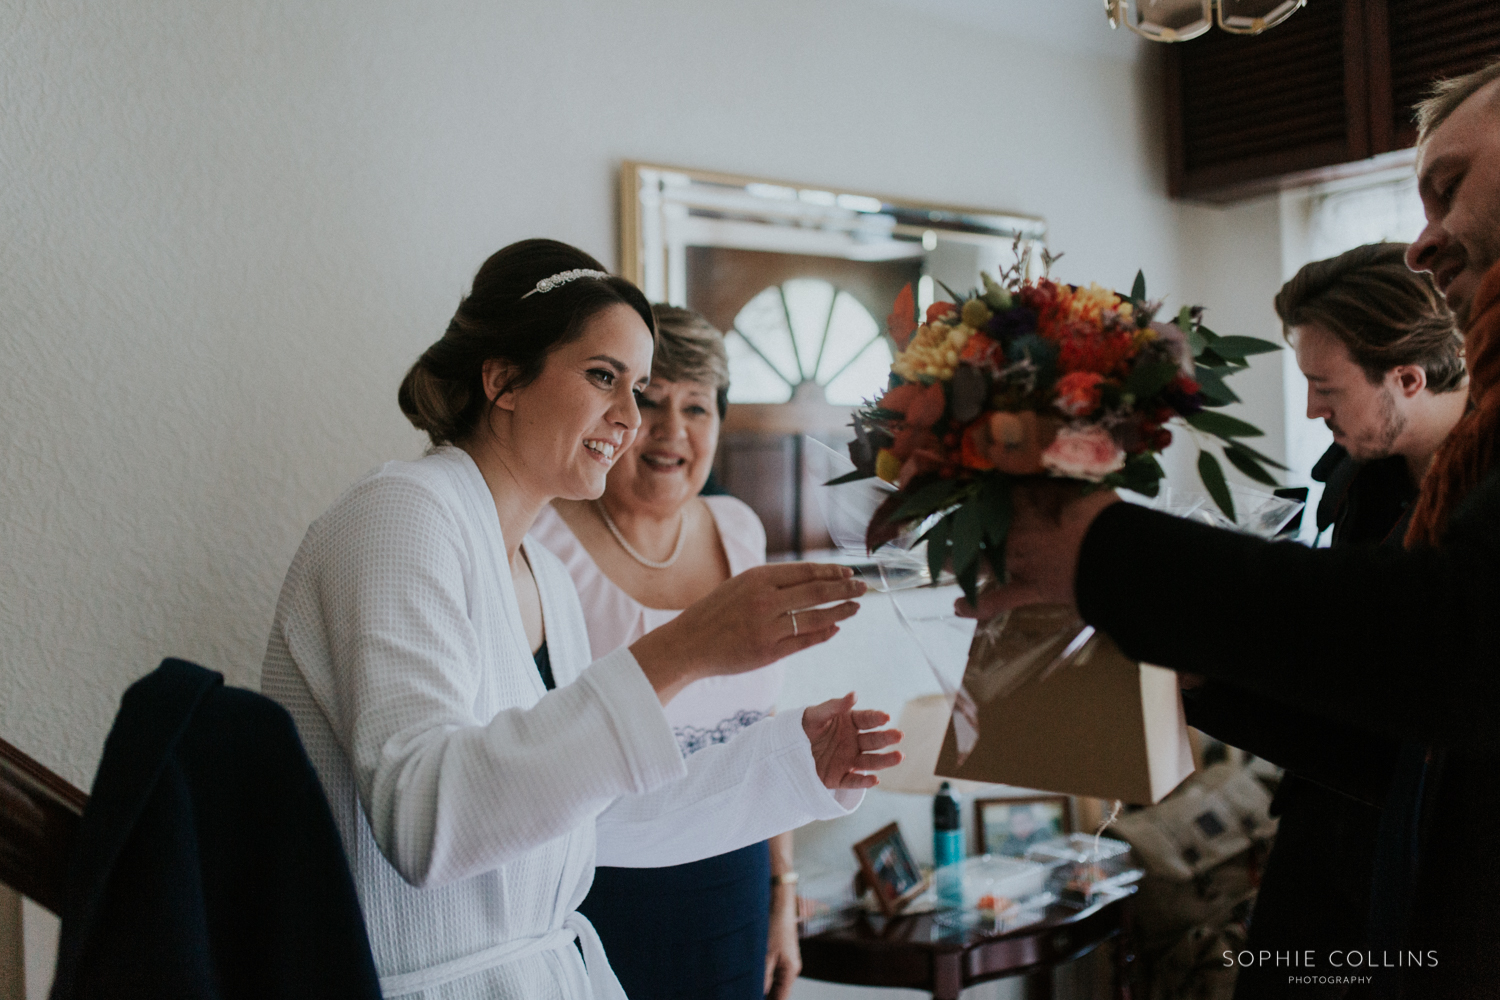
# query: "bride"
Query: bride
438,666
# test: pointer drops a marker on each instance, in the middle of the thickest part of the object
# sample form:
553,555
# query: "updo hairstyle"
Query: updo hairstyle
443,393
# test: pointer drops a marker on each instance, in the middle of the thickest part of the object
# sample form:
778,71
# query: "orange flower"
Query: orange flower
1016,441
1078,393
899,399
971,451
939,310
927,408
982,350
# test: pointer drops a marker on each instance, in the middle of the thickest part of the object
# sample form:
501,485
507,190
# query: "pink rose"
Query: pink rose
1090,453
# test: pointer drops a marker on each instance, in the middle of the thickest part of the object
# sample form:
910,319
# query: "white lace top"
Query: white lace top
709,711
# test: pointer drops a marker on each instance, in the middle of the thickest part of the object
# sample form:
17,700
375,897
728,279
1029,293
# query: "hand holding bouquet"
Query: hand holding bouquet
1039,379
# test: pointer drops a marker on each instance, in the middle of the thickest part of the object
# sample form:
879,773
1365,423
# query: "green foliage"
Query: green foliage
1213,479
1211,382
1223,425
928,500
994,504
968,535
958,299
853,476
1244,460
1138,290
1240,348
1262,459
1149,379
937,547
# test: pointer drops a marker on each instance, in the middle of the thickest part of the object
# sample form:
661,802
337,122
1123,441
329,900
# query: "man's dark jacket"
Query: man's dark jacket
1315,895
207,864
1404,644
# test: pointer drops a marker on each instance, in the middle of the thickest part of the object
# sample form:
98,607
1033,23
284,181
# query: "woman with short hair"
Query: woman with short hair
725,926
438,668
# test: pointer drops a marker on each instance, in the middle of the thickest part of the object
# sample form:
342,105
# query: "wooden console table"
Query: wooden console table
915,952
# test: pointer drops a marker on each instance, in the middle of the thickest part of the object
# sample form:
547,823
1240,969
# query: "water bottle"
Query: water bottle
947,847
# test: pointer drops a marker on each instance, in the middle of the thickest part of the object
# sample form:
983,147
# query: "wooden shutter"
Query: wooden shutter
1247,108
1430,40
1328,88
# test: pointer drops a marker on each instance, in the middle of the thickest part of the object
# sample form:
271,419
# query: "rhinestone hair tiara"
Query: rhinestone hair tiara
562,278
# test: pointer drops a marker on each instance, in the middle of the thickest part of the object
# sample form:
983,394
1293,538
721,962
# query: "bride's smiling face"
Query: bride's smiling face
570,425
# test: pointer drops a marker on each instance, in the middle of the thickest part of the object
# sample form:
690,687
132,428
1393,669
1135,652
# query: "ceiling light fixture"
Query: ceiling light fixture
1180,20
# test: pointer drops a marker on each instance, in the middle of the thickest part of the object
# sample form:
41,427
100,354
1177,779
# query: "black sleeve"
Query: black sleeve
1400,643
1333,754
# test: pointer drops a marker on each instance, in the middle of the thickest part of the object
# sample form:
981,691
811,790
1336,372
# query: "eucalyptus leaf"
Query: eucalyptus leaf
968,534
1212,475
937,547
1213,387
1262,459
1184,318
994,505
1208,334
1148,380
1138,290
850,477
932,497
1196,342
1240,348
1249,466
1223,425
968,579
1143,474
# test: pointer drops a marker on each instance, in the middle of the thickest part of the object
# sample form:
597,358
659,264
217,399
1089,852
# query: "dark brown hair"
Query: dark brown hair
443,393
1386,314
690,349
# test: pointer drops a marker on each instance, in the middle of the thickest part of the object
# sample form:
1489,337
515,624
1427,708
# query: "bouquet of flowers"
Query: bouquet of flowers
1035,378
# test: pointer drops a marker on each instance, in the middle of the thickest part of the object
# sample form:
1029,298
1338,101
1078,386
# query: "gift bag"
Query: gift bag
1055,706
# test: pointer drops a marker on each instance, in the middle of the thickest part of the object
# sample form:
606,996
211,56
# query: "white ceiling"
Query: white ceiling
1073,25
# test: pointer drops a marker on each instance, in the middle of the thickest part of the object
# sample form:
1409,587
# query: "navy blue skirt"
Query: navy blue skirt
690,931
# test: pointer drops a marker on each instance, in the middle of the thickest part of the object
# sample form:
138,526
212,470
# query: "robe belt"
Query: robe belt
601,978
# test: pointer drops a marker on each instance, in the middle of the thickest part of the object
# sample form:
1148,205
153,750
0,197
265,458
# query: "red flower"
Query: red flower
938,310
927,408
983,352
976,442
899,399
910,440
1186,386
1078,393
1085,348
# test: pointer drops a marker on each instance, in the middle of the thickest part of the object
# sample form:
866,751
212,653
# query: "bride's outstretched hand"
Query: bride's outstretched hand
845,742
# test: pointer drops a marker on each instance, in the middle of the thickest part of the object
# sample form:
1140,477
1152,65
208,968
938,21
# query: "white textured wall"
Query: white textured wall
228,228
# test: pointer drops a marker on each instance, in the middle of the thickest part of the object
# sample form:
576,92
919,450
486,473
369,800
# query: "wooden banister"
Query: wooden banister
39,817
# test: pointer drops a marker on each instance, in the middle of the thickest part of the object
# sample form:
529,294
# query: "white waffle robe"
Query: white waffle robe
467,795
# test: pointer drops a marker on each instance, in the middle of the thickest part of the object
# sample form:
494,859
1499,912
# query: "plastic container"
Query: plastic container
947,847
1002,878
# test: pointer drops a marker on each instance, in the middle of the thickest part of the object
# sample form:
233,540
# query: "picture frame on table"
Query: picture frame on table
886,865
1009,826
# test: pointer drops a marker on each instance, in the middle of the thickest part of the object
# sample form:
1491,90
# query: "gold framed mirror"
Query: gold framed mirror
800,279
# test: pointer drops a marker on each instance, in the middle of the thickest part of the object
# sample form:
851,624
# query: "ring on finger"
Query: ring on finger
794,623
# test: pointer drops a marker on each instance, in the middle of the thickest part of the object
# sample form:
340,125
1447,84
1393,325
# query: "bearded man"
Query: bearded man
1384,368
1401,643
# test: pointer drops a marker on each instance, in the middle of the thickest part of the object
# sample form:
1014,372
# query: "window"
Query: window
806,332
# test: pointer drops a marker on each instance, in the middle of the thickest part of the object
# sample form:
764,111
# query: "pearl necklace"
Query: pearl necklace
609,523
